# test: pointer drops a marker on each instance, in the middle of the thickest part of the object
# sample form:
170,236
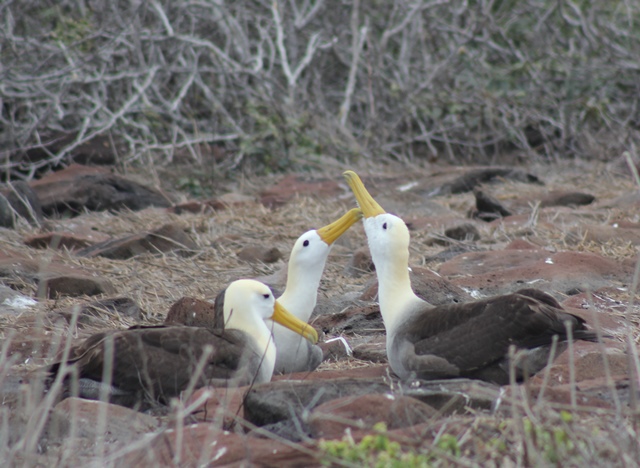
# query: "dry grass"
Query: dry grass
524,432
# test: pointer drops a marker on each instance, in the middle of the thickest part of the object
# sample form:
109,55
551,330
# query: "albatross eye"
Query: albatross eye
306,243
384,226
266,296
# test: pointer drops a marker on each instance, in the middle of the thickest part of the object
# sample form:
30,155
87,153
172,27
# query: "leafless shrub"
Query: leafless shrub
289,82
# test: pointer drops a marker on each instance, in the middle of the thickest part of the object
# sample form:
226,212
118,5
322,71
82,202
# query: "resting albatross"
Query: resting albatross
306,264
156,363
457,340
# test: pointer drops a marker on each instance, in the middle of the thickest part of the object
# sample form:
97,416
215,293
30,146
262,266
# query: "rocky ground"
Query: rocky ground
85,250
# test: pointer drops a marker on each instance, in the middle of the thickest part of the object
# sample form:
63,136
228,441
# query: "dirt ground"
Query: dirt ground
155,282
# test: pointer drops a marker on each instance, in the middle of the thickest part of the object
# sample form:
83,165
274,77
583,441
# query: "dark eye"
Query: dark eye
384,226
306,243
266,296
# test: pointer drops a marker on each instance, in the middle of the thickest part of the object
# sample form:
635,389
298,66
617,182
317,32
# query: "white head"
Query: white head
388,238
310,251
307,261
248,303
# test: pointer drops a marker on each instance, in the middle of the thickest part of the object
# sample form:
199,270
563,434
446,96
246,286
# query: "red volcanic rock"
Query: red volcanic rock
561,198
620,232
259,253
65,240
52,278
192,206
520,244
588,363
213,204
372,350
230,199
205,445
360,262
91,419
293,185
76,188
605,307
192,312
438,223
218,405
334,350
167,238
497,272
355,318
331,419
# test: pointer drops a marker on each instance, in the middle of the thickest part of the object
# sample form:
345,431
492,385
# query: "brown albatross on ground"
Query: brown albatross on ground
156,363
457,340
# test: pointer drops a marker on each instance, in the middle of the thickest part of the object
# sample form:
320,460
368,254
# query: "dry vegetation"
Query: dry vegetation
271,86
529,433
274,85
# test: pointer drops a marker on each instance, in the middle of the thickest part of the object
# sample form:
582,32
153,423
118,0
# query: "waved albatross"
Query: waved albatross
155,363
304,271
306,264
457,340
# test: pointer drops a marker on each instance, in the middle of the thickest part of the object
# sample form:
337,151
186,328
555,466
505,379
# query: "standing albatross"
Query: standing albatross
306,264
156,363
458,340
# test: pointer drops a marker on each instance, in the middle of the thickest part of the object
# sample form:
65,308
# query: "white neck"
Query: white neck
395,295
301,293
266,347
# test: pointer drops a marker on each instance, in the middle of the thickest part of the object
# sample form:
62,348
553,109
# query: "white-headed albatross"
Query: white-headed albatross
456,340
156,363
306,264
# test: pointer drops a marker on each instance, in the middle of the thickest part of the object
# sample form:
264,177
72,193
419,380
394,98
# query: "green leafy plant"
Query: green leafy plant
377,450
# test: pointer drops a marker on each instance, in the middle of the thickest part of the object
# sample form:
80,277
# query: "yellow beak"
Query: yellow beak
331,232
367,204
284,318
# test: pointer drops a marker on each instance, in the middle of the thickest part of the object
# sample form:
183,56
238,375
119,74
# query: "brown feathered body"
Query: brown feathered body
157,363
473,339
456,340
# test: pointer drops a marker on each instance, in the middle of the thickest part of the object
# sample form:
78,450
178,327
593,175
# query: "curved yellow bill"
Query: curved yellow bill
331,232
284,318
367,204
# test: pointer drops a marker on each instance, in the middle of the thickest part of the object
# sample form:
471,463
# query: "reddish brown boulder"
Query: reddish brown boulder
498,272
167,238
205,445
52,278
218,405
360,262
562,198
64,240
331,419
259,253
293,185
78,188
90,419
372,350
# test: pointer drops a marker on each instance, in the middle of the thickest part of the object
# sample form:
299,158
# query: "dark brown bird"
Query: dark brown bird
457,340
156,363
